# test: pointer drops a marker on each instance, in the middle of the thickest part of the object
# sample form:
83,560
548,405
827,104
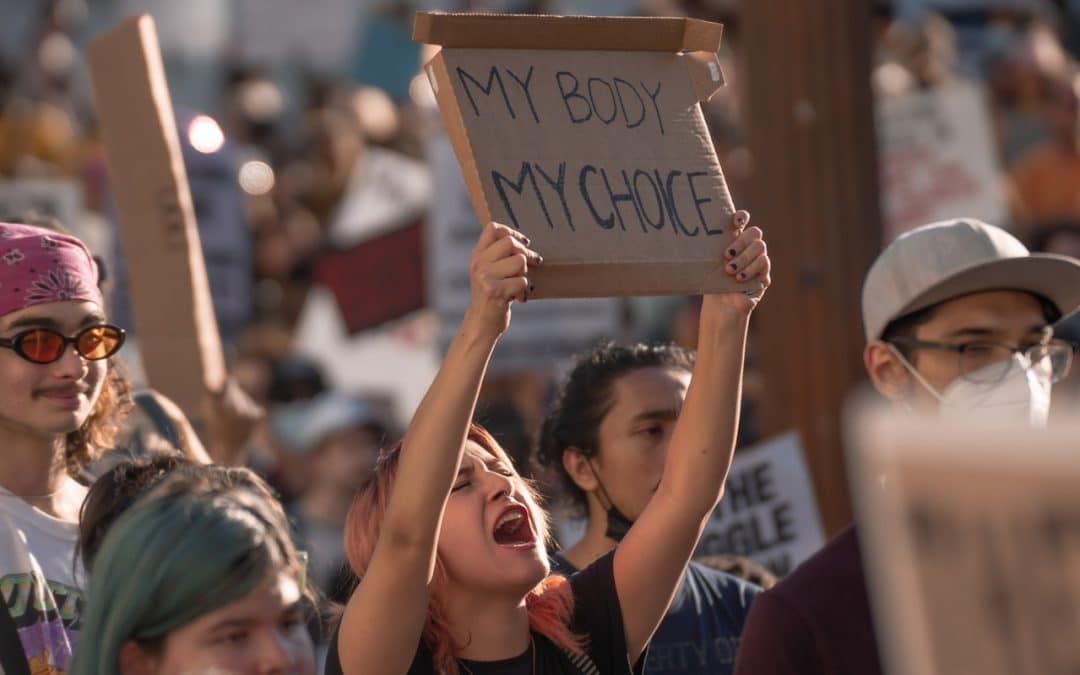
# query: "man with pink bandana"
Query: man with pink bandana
58,404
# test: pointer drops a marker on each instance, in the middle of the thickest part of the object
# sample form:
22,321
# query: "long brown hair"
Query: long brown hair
98,432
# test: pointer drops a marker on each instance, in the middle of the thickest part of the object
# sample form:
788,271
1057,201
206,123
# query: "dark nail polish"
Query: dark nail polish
742,275
731,252
532,288
733,267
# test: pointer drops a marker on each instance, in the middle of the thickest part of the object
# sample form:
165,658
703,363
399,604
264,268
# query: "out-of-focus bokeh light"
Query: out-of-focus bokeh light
261,100
205,135
375,113
256,178
420,92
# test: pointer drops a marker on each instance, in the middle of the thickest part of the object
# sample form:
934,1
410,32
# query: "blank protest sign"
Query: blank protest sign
600,155
972,547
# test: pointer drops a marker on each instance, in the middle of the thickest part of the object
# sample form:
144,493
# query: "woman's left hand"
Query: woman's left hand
746,260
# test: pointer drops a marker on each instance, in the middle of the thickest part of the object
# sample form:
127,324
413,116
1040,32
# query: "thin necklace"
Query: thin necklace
532,653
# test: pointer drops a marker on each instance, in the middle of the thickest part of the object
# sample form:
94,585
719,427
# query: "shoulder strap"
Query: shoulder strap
162,422
12,656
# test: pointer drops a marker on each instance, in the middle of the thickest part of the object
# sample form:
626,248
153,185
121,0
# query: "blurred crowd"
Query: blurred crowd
280,157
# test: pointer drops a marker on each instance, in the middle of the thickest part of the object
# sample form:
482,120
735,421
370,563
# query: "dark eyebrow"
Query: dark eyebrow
972,331
50,323
663,415
983,332
230,623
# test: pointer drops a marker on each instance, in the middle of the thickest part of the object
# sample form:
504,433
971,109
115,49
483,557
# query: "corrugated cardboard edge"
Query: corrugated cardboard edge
450,112
135,41
589,33
609,279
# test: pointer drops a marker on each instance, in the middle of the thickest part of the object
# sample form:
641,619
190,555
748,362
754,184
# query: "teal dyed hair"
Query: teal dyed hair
172,559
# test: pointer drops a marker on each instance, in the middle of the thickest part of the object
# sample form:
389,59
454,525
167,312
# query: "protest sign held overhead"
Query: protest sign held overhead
543,335
587,135
174,314
971,541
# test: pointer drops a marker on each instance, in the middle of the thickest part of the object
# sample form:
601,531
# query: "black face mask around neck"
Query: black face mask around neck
617,523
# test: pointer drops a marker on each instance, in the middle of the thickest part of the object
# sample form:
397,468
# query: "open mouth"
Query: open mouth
513,529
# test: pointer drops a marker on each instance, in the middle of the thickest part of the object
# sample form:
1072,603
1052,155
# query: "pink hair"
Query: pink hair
549,604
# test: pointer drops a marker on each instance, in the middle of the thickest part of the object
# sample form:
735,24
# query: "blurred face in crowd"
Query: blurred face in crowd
345,459
263,632
1064,109
48,399
634,435
493,530
1010,318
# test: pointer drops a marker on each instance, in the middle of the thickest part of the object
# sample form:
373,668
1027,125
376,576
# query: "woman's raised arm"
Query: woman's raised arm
383,619
652,557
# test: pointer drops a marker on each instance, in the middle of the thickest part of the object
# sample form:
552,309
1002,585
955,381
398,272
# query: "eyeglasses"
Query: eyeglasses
990,362
41,345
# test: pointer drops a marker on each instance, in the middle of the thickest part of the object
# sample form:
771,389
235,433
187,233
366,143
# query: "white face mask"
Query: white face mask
1022,396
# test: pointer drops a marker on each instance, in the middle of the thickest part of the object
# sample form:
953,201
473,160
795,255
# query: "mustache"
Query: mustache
64,390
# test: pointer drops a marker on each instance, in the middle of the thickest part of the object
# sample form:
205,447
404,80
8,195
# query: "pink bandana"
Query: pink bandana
39,266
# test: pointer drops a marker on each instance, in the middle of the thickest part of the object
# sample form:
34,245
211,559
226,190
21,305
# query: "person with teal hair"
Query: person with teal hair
196,581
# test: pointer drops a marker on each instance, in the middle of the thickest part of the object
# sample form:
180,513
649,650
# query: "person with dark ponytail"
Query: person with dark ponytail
605,445
449,541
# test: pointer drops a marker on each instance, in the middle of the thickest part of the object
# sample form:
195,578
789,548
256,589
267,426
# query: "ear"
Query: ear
577,466
887,373
133,660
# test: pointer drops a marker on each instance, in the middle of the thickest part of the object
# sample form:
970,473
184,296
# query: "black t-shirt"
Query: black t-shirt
700,632
597,617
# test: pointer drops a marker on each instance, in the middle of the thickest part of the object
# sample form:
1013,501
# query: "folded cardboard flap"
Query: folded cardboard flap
705,74
568,33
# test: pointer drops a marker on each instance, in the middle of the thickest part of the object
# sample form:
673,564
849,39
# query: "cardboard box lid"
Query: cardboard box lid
591,33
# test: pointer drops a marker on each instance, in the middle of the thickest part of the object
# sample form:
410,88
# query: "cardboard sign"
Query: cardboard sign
587,135
971,541
768,513
174,315
938,159
542,335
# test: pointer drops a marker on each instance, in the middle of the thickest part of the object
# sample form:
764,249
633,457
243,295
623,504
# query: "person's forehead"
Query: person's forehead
651,388
1006,311
477,452
68,313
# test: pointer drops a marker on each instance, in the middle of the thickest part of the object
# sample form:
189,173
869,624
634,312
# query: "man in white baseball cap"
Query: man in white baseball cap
958,316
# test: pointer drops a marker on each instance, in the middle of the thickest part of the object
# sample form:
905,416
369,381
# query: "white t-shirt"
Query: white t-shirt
39,582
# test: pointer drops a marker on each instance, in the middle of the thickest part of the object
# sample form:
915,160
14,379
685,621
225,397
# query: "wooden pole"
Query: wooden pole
814,188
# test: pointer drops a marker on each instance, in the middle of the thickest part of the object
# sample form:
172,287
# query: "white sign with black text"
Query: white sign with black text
768,513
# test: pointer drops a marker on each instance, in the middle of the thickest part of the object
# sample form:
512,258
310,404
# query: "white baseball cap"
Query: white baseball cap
952,258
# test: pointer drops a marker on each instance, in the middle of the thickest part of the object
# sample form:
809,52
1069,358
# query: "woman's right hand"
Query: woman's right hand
498,275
